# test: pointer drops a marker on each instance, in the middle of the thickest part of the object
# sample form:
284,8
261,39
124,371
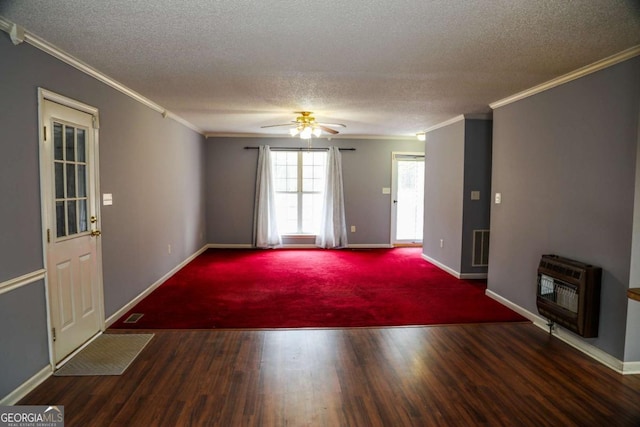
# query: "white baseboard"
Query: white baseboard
631,368
473,276
298,246
441,266
625,368
451,271
26,387
230,246
118,314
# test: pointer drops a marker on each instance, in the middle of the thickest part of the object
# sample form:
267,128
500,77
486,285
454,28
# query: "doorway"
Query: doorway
70,217
407,194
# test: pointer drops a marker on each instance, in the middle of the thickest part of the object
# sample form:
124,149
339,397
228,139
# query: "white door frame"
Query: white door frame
46,197
394,192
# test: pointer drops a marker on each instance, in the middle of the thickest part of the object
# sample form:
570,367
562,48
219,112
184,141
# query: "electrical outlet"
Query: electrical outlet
353,228
442,243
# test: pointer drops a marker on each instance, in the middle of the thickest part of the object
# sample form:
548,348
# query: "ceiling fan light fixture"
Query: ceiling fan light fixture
422,136
306,133
305,126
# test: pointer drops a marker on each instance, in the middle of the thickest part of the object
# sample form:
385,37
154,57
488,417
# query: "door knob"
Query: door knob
95,233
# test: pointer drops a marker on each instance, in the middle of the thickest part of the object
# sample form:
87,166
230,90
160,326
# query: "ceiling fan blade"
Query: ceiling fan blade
273,126
328,130
331,124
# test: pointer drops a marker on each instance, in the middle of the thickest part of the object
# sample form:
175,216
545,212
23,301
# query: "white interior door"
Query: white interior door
71,218
407,193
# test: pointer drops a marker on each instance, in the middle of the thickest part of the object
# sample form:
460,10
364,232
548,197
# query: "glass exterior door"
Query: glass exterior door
408,199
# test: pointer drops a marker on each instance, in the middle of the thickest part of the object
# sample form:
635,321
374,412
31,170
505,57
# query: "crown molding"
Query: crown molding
5,25
328,138
446,123
580,72
479,116
68,59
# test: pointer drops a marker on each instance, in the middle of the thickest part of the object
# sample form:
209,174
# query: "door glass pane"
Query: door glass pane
82,181
60,216
58,142
70,143
410,206
71,180
59,172
81,146
82,216
71,217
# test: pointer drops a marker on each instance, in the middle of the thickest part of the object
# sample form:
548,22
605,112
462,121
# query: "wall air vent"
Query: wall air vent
480,248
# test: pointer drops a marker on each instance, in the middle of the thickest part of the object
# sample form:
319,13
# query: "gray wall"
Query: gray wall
632,343
477,177
153,166
457,161
231,173
444,184
23,335
564,161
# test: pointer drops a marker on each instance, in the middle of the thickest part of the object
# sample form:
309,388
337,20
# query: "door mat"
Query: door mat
109,354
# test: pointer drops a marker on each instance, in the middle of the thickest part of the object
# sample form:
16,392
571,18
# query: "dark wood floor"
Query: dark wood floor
493,375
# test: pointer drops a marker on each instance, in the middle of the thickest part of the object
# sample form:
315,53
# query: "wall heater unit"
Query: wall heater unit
569,294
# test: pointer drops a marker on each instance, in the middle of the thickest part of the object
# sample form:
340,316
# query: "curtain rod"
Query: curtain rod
299,149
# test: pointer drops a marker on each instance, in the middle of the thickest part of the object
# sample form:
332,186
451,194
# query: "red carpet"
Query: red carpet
314,288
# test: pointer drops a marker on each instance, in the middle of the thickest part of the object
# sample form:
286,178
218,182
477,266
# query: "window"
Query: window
299,187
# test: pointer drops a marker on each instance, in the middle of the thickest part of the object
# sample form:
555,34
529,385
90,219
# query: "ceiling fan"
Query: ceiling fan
306,125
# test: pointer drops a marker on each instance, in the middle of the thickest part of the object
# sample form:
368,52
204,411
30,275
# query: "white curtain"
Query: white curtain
333,227
265,226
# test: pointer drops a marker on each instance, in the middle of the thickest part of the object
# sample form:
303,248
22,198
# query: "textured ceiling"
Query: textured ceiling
382,67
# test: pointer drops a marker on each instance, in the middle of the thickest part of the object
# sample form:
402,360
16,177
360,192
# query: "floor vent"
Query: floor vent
133,318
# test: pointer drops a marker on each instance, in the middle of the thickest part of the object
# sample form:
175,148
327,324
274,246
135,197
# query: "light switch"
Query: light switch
107,199
475,195
386,190
498,198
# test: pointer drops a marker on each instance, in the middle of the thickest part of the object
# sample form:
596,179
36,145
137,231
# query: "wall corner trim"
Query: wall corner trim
68,59
580,72
590,350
